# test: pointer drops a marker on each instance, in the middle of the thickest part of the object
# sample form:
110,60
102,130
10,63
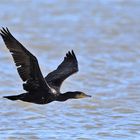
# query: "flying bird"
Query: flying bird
39,89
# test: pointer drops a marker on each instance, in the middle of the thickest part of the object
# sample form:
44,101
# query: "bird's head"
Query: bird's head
72,95
79,94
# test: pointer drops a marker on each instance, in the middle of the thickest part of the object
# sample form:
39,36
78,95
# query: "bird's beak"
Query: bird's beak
87,95
82,95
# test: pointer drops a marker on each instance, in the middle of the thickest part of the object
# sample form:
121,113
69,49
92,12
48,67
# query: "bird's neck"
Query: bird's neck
66,96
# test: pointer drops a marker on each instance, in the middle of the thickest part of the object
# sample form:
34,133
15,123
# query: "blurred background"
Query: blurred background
105,36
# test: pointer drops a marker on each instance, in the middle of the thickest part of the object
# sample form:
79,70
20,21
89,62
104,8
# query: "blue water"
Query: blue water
105,37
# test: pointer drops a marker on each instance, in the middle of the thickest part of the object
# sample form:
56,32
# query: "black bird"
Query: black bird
40,90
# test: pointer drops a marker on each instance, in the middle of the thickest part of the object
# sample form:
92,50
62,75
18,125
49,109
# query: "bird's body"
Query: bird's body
34,97
38,89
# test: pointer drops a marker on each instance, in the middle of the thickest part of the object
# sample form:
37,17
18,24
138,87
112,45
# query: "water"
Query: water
105,37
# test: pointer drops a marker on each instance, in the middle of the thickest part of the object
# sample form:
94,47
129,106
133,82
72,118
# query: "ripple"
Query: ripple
107,48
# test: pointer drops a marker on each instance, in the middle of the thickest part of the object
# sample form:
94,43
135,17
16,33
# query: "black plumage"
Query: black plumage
40,90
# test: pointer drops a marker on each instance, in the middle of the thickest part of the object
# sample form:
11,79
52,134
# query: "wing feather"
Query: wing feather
68,67
27,64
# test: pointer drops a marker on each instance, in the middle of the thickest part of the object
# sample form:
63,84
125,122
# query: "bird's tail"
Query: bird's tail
14,97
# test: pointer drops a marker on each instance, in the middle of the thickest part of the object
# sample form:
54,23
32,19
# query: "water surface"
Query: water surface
105,37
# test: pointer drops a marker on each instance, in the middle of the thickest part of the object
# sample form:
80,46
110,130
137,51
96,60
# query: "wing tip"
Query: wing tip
4,31
71,55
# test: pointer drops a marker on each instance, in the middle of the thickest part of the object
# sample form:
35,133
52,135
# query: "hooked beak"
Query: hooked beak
88,95
85,95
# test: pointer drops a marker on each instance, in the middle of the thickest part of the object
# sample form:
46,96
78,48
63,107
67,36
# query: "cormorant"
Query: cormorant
40,90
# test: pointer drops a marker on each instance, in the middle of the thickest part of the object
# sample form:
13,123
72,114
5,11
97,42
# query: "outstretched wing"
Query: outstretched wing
68,67
27,64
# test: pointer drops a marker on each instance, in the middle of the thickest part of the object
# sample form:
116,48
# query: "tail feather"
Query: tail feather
14,97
